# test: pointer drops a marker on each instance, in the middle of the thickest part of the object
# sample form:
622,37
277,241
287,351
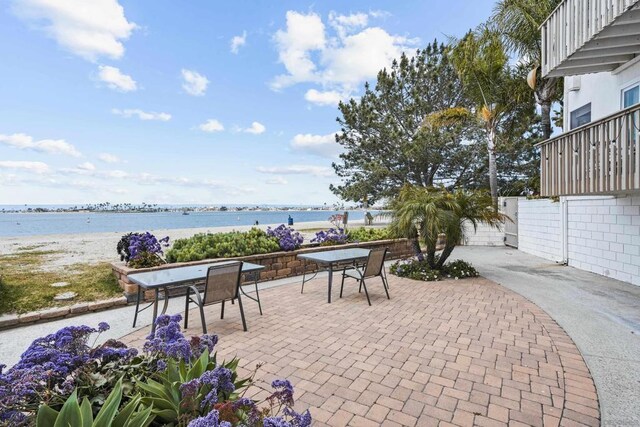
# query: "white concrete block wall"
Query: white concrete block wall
484,235
604,236
539,229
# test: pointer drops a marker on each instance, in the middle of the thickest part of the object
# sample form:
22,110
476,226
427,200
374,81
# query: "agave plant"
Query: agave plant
186,390
74,414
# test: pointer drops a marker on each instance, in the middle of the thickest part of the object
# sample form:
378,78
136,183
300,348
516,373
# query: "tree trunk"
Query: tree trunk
493,169
545,119
545,95
444,255
431,257
415,243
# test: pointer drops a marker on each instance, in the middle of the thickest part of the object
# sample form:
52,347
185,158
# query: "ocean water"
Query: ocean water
32,224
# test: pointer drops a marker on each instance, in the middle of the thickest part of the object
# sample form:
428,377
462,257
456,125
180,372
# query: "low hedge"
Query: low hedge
254,242
222,245
367,234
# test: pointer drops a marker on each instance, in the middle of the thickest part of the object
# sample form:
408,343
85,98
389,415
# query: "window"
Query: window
581,116
630,96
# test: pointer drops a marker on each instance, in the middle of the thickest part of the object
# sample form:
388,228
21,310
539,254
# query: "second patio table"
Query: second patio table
333,260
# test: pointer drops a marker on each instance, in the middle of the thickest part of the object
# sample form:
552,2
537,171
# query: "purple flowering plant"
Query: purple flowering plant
47,371
195,388
333,236
288,238
142,250
175,381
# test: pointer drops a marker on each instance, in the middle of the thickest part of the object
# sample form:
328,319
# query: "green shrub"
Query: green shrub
420,270
222,245
368,234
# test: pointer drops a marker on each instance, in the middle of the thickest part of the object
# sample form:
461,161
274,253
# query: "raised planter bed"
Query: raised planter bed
279,265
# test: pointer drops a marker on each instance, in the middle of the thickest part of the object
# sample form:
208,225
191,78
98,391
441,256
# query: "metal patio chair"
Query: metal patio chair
222,284
374,267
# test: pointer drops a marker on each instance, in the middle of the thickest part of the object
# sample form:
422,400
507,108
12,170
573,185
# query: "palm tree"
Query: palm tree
423,214
519,21
481,60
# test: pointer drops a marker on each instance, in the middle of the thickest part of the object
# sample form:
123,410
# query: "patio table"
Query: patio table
332,260
162,280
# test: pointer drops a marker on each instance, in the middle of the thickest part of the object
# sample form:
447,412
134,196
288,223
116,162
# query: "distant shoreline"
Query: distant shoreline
176,211
70,249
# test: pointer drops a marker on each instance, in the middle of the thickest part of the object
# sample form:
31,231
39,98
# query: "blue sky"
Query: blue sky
180,102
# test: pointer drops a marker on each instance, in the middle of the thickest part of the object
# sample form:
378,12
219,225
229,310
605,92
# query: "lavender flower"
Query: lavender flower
212,419
146,242
190,389
219,381
333,236
283,393
288,238
49,364
168,340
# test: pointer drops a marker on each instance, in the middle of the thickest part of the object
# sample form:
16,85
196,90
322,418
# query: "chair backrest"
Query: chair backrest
223,282
375,262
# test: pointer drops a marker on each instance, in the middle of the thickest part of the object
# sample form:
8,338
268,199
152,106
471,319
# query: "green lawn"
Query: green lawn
25,284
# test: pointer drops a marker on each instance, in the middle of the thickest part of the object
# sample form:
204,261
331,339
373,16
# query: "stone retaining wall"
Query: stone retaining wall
279,265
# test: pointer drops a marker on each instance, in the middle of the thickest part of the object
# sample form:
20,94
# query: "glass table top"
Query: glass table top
170,276
336,256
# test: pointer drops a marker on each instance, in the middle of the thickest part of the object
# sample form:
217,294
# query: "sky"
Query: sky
201,102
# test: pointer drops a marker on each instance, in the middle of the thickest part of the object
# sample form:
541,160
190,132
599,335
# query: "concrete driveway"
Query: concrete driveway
601,315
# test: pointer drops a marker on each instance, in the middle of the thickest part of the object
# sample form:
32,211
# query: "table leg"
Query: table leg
135,316
330,281
258,296
166,300
155,312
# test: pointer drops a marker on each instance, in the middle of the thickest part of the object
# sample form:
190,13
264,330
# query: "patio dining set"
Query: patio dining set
225,281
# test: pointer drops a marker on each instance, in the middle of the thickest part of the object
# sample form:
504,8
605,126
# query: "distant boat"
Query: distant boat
185,213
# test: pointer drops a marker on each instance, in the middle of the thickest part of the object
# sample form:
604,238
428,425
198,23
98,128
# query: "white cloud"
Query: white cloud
296,170
37,167
87,166
142,115
339,61
304,34
116,174
319,145
238,41
329,97
194,83
360,56
52,146
211,125
348,23
90,29
278,180
108,158
256,128
115,79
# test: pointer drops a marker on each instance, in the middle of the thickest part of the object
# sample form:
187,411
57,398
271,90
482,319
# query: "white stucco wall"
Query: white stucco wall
604,236
539,230
602,233
484,235
602,90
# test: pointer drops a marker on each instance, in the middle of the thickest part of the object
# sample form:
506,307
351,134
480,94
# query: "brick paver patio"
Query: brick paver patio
461,353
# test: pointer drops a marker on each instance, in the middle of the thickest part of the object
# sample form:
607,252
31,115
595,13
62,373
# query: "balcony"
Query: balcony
602,157
590,36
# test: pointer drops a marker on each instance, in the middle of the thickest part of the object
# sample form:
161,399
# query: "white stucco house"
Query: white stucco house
594,165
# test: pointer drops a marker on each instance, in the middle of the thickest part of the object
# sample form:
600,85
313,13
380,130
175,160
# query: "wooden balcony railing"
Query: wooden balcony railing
602,157
573,24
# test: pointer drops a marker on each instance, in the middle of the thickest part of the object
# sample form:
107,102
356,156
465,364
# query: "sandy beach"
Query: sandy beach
101,247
